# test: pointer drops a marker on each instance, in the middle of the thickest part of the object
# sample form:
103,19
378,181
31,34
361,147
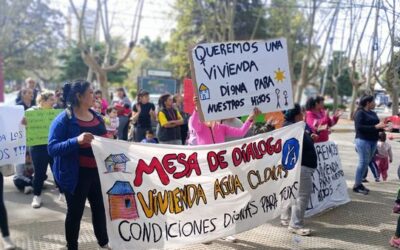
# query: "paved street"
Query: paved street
364,223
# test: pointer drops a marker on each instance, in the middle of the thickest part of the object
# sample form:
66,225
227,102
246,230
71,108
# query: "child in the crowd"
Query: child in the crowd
383,155
150,137
112,122
23,176
97,106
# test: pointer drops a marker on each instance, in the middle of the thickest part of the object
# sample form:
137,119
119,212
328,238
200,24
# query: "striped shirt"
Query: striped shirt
95,127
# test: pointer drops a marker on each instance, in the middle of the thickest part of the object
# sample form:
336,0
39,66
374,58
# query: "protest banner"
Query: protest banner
38,125
188,105
329,184
232,78
165,196
12,135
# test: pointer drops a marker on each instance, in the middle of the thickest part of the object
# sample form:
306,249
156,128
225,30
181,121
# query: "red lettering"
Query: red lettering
168,164
190,165
212,159
142,167
278,146
270,149
236,157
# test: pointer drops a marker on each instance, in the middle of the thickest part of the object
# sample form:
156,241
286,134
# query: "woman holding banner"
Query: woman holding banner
308,165
75,167
39,154
367,127
215,132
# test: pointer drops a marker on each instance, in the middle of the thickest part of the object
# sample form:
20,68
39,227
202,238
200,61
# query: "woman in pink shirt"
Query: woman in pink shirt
317,118
214,132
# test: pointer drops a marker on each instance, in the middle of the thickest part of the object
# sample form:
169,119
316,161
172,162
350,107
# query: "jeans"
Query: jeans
123,127
88,187
365,150
3,212
298,209
40,159
374,169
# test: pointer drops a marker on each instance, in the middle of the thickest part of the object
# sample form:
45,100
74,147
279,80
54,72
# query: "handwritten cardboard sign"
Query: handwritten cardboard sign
162,196
329,183
12,135
234,77
38,124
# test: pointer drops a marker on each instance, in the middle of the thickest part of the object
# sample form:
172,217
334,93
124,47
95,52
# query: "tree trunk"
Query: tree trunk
395,93
335,96
299,92
101,77
353,101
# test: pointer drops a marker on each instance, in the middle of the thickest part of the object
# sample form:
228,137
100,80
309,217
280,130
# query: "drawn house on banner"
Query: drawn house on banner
204,92
116,163
121,200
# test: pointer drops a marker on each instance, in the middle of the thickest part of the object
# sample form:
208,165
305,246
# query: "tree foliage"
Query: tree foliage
30,34
204,21
73,66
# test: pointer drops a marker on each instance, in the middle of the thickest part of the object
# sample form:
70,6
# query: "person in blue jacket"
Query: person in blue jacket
74,167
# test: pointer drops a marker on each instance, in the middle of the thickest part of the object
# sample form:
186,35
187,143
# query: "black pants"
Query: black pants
88,187
3,212
40,159
184,133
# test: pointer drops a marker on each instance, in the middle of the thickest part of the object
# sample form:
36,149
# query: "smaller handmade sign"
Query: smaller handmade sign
38,124
12,135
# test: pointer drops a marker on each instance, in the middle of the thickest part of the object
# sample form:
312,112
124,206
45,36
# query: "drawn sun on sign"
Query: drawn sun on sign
279,75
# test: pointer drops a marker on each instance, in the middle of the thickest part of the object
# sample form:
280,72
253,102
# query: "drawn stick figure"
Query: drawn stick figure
278,105
285,94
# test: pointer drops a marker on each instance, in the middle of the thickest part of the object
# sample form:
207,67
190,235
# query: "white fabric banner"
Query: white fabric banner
329,184
12,135
163,196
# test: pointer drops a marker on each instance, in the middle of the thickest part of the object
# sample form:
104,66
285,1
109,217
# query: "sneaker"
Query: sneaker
61,197
284,223
36,202
8,244
364,188
360,190
394,242
365,180
106,246
300,231
230,239
28,190
377,180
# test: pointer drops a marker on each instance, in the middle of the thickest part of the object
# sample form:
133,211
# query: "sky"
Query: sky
158,20
156,16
